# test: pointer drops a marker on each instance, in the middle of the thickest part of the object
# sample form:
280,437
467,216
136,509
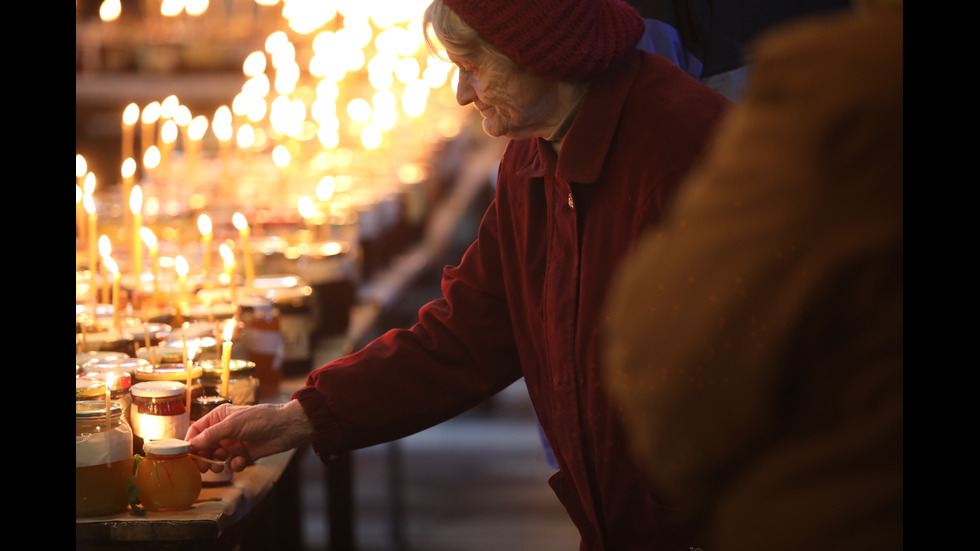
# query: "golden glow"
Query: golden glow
180,265
151,113
149,239
227,254
110,264
110,10
152,157
238,220
306,207
81,167
325,188
168,133
254,64
105,246
204,224
136,200
197,127
128,168
89,185
229,330
89,203
131,114
168,107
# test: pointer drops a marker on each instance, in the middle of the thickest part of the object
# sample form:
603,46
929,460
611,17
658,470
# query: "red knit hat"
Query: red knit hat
556,39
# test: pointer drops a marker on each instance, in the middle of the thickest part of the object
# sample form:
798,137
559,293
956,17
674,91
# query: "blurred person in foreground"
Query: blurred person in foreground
755,340
601,134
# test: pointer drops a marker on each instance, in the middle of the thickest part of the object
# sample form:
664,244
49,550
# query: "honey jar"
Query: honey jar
159,412
103,458
167,478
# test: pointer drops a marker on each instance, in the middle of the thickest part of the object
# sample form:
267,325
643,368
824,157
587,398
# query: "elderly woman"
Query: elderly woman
601,133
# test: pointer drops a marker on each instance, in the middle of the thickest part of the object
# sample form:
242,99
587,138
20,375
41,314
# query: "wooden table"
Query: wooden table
257,510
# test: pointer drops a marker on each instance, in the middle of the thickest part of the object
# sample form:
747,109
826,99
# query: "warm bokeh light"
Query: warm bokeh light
89,185
81,166
105,246
204,224
131,114
148,237
109,10
128,168
136,200
197,127
151,159
181,266
325,188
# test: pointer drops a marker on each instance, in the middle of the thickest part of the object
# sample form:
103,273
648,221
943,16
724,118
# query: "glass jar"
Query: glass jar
202,406
172,372
261,333
159,412
168,478
243,386
105,341
103,458
118,383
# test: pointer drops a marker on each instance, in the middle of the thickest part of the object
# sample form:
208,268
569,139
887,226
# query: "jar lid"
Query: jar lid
161,354
239,368
166,446
168,372
94,409
155,331
128,364
117,380
83,357
158,389
88,387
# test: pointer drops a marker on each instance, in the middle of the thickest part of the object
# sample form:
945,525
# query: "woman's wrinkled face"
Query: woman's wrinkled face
513,102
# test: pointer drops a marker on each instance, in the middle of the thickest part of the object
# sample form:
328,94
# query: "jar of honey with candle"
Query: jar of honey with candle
103,458
179,372
243,386
118,384
167,478
202,406
159,411
264,345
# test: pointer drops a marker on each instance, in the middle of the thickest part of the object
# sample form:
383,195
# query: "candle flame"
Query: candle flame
110,264
89,203
89,184
169,131
105,246
306,207
81,167
180,264
152,157
131,114
182,116
325,189
229,331
148,237
151,113
136,200
204,224
110,10
198,126
227,254
168,107
128,168
239,221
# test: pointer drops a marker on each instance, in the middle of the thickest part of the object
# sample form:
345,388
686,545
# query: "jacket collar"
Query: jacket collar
589,138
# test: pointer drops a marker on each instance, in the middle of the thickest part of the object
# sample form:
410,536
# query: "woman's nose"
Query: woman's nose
464,91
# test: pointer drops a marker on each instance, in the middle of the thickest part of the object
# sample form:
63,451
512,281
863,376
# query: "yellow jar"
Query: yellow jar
103,458
167,478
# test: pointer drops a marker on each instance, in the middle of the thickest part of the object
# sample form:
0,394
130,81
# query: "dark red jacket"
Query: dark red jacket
527,296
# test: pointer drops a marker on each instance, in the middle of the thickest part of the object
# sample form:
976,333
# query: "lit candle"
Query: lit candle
151,113
151,160
112,267
108,401
195,133
242,226
308,211
81,168
136,206
105,249
127,171
89,203
151,243
204,226
168,137
226,356
228,256
180,264
188,365
130,116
